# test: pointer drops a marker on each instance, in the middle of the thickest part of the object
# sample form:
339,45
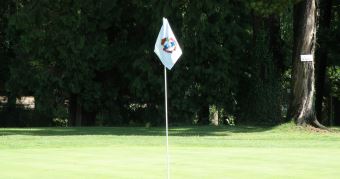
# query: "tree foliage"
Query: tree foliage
95,60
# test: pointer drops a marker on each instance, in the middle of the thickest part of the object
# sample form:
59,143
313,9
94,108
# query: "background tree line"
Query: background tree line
92,62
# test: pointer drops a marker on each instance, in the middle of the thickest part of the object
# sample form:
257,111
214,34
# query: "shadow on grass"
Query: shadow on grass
130,131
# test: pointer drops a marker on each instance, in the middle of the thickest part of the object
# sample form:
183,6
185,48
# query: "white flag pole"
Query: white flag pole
166,124
168,51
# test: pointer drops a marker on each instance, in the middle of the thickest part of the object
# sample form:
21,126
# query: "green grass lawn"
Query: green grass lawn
196,152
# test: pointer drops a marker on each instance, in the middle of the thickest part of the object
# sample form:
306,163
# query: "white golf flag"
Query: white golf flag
167,47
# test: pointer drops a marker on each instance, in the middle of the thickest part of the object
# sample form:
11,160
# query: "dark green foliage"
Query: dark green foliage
268,7
97,57
213,45
328,55
262,102
19,117
334,56
334,80
6,8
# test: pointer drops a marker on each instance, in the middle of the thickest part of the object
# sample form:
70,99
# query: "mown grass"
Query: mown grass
284,151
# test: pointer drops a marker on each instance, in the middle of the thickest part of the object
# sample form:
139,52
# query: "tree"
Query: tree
60,47
3,49
86,52
214,41
7,8
302,108
264,68
97,56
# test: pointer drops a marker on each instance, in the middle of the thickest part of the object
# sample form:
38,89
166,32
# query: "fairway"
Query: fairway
196,152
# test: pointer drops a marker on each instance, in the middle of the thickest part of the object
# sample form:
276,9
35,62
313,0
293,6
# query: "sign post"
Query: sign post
306,58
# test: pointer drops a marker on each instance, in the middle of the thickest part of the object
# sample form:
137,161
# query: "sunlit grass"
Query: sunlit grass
283,151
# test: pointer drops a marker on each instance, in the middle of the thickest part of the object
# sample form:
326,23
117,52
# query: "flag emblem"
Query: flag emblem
169,44
167,47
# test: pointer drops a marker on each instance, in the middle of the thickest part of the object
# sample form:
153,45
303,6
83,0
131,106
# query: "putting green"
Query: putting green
199,152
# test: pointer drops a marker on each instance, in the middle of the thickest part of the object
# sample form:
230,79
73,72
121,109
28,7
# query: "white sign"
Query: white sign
307,58
167,47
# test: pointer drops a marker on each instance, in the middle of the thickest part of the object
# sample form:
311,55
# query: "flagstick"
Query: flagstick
166,123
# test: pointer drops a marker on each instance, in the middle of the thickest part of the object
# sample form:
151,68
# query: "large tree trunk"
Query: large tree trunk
75,110
303,78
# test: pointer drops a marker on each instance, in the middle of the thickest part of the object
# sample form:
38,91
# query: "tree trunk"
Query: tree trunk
325,21
275,42
303,79
75,110
203,115
72,107
11,102
256,22
214,118
335,111
88,118
78,113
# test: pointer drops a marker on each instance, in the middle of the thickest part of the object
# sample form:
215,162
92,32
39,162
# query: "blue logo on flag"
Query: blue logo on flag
169,44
